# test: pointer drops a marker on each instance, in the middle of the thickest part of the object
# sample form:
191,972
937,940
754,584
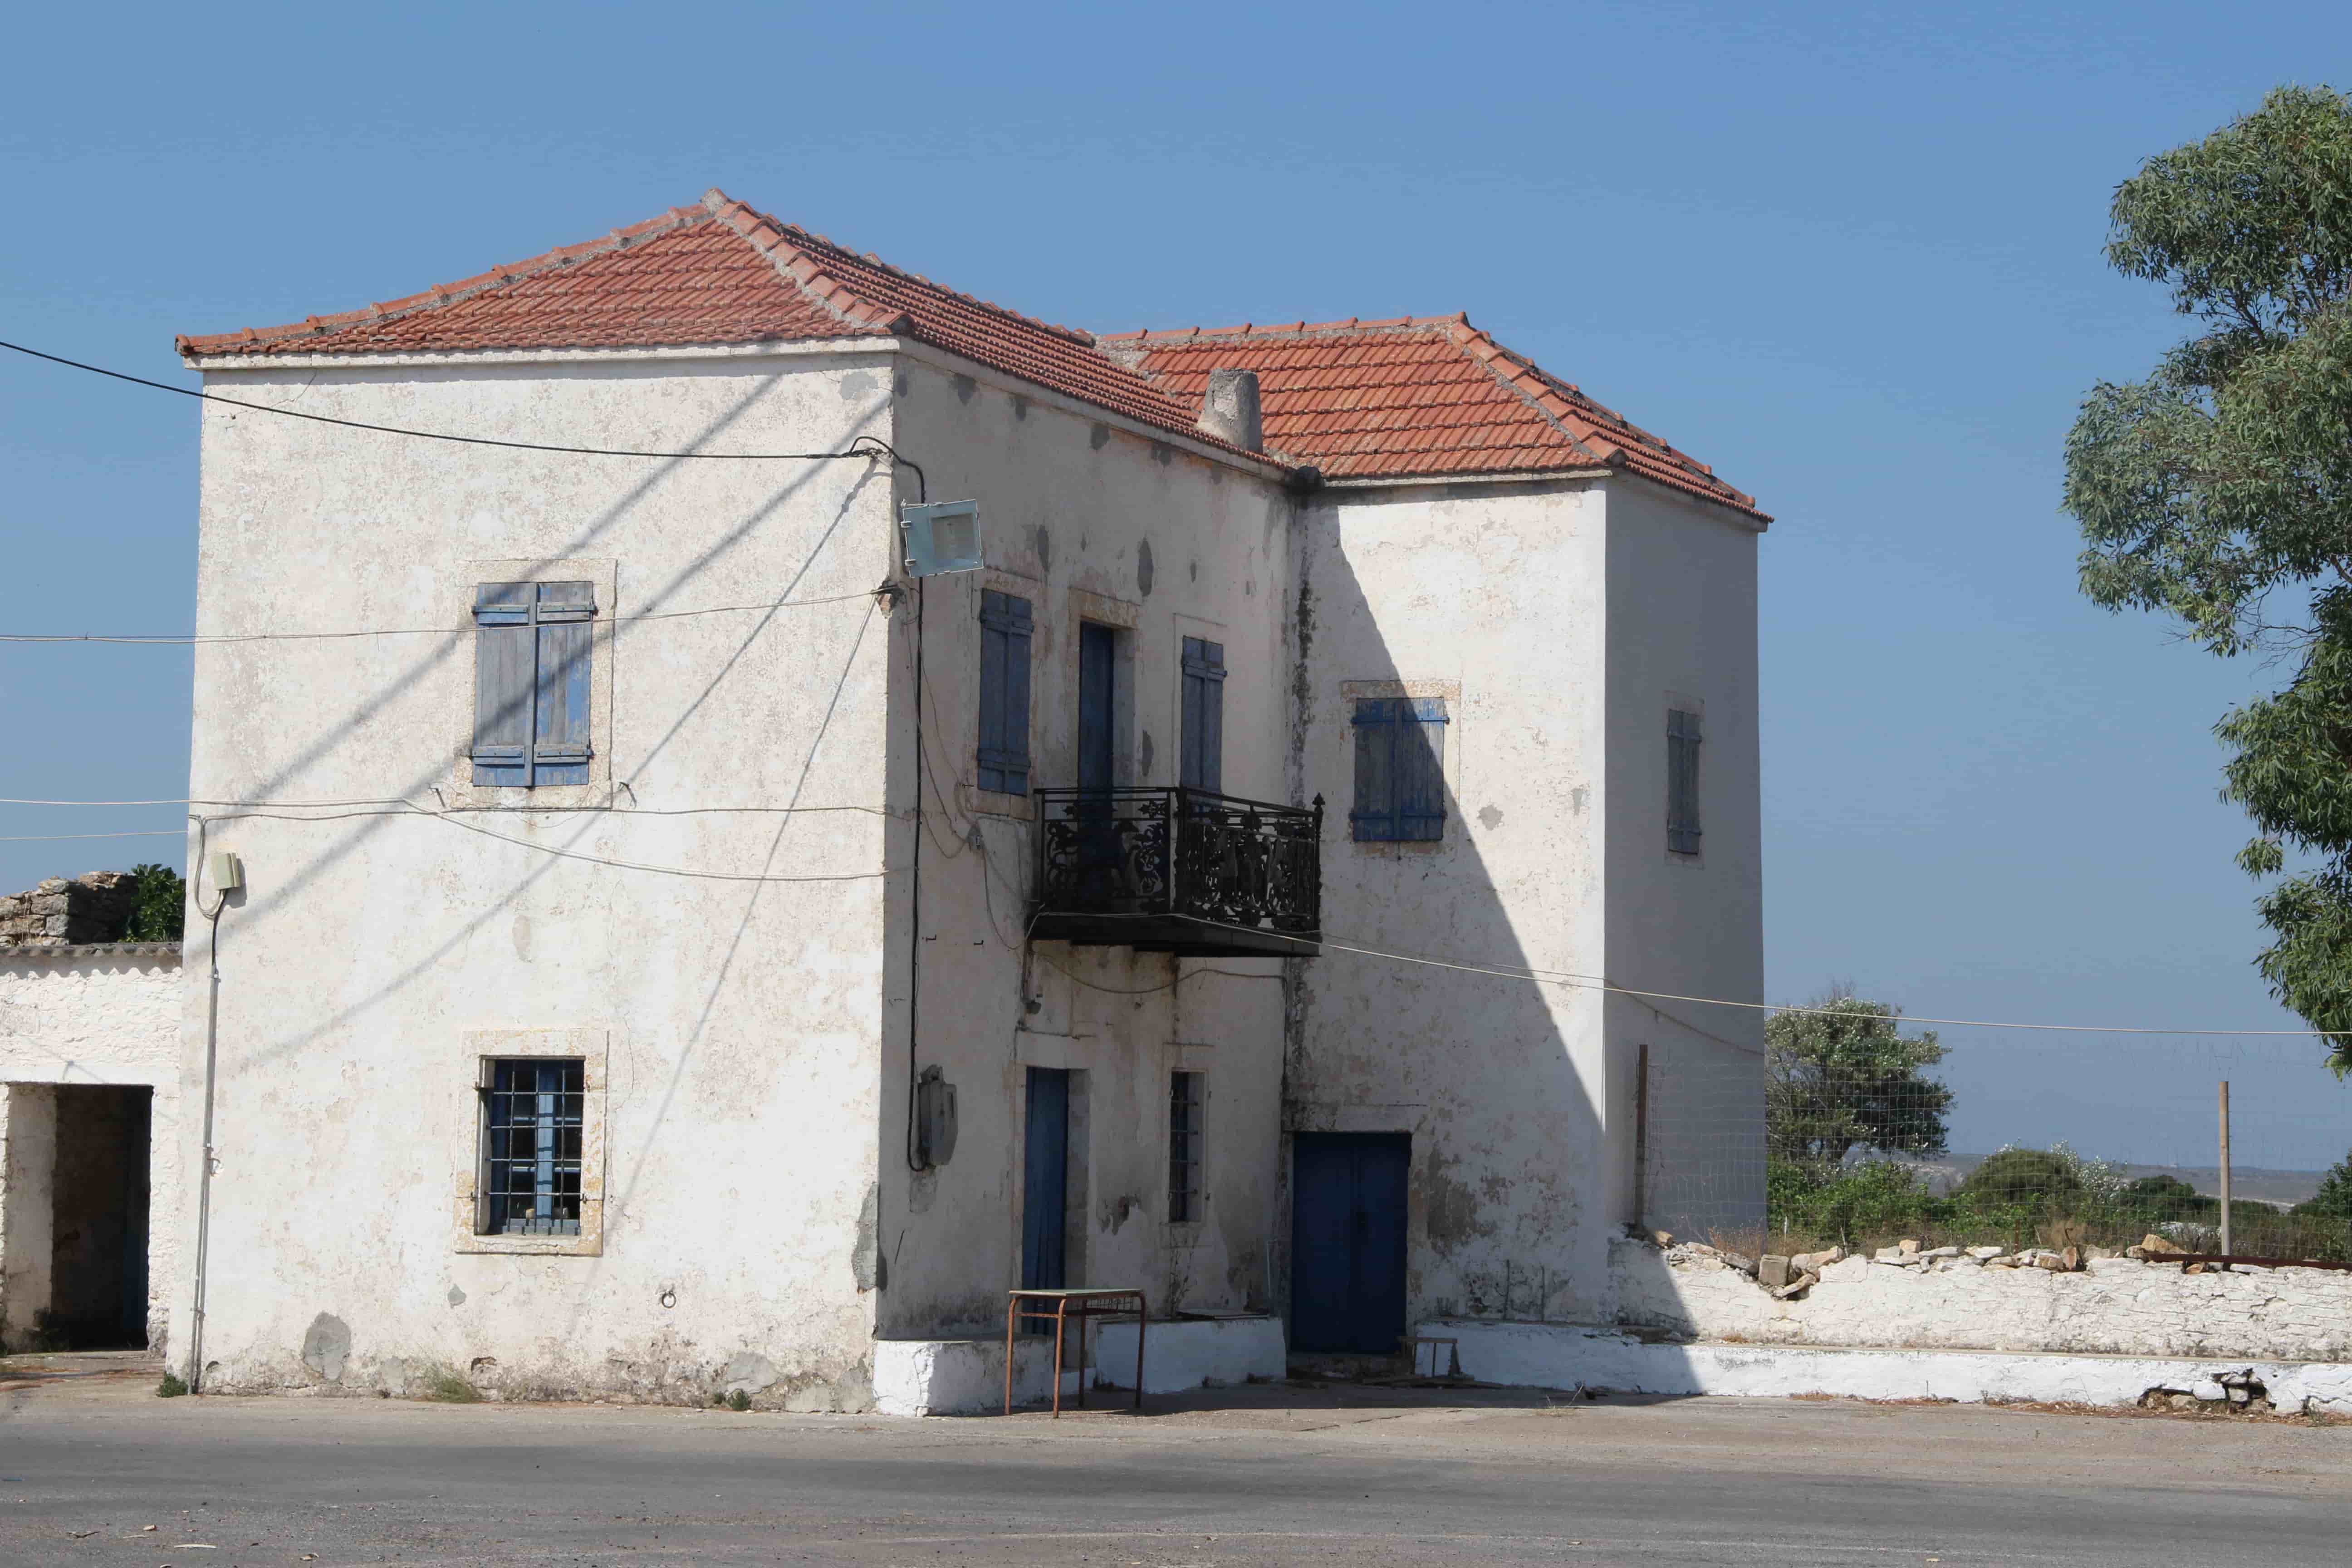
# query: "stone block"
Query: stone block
1772,1271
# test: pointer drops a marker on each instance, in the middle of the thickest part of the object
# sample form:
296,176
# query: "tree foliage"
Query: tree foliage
2333,1198
1841,1076
2217,491
161,904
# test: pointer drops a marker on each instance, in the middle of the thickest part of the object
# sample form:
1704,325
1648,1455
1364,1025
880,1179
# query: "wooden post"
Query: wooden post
2225,1167
1642,1139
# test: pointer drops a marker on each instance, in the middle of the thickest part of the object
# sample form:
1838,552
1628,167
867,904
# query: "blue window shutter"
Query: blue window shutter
1373,819
505,662
1202,762
1004,631
533,645
1682,782
1399,770
1421,769
560,738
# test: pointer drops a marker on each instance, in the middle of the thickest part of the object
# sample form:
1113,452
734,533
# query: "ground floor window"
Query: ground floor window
1186,1091
532,1118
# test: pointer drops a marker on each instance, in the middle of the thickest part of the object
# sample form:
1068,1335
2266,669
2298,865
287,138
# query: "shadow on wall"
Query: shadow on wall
1449,1122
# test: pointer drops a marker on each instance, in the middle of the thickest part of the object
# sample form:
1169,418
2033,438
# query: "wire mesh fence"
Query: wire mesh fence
1855,1150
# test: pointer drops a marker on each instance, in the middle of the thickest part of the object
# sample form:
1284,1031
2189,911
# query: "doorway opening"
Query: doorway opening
1348,1241
75,1227
1045,1181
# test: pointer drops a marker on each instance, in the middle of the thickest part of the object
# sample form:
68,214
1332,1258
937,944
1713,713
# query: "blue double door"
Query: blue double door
1348,1241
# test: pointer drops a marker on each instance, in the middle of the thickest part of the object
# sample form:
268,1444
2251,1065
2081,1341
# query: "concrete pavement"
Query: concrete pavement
1280,1474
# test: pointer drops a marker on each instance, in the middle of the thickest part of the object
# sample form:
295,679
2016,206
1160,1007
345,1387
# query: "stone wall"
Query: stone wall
2117,1306
93,908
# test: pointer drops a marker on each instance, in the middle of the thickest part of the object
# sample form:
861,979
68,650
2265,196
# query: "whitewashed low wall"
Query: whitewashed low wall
1540,1356
2116,1307
964,1377
1191,1352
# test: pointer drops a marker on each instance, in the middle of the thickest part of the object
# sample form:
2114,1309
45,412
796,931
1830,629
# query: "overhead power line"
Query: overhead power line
861,447
179,639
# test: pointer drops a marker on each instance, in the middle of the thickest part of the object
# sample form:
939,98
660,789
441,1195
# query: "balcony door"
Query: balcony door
1097,680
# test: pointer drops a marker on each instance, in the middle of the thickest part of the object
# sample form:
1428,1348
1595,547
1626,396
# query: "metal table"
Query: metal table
1068,1305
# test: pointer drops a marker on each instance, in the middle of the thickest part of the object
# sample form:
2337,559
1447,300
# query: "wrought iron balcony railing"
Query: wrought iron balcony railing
1178,870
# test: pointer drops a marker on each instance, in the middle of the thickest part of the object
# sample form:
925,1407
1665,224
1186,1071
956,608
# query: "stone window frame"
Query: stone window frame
592,1047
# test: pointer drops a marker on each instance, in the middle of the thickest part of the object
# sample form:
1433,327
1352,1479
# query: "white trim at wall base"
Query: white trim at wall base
1541,1355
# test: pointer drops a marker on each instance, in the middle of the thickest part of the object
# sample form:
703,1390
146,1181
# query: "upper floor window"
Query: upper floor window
1682,782
532,645
1004,627
1399,770
1203,764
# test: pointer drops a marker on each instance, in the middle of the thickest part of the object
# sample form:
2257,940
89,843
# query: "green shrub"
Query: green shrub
159,906
172,1387
739,1400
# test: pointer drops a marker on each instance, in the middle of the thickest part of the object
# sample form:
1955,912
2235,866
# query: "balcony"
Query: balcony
1178,870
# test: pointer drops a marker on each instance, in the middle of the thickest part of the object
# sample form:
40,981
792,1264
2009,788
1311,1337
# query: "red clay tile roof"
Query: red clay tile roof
1410,398
718,273
1405,398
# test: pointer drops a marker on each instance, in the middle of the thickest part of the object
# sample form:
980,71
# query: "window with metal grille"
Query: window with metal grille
531,1121
531,653
1186,1094
1399,770
1682,782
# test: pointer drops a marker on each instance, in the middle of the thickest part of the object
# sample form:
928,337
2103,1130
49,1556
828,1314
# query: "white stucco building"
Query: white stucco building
610,915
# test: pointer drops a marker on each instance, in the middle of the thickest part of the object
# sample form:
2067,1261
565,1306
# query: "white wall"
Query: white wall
737,1024
1491,597
2117,1306
104,1015
1071,507
1682,631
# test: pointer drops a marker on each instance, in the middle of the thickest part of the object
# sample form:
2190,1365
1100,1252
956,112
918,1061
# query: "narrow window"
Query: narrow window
1185,1095
1682,782
1004,692
532,1120
1399,770
1203,762
531,649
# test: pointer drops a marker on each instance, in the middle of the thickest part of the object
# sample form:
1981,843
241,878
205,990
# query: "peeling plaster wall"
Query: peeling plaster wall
736,1026
2118,1306
85,1016
1682,633
1492,598
1088,522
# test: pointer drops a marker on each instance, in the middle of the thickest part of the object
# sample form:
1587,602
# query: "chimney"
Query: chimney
1230,410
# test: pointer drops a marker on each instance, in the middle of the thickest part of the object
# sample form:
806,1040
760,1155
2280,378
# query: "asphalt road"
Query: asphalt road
96,1471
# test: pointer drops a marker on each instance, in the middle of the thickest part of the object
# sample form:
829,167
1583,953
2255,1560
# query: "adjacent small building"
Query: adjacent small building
716,915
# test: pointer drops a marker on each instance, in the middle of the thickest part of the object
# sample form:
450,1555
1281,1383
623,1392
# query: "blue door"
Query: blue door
1347,1247
1045,1180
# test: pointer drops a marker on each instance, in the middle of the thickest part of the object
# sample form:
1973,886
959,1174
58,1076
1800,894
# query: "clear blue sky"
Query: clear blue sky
1848,253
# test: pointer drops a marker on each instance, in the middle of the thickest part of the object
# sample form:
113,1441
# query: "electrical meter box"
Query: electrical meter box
935,1119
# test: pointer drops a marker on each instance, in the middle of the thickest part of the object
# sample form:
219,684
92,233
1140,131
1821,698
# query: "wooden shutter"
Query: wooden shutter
566,613
1682,782
1202,764
533,649
1421,769
1373,819
1399,770
505,665
1005,629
